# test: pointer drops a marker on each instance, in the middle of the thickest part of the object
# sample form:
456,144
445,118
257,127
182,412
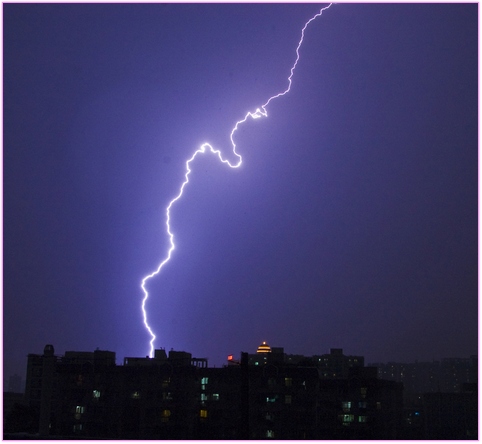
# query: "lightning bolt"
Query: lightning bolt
206,147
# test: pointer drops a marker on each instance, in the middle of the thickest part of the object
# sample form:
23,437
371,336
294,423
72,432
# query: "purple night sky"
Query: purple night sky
352,222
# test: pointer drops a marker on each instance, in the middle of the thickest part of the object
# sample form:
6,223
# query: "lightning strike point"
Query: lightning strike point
206,147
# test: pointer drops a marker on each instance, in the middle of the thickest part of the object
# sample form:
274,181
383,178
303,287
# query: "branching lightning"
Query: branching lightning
206,147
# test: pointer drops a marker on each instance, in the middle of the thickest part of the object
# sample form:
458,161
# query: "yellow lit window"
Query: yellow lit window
288,382
165,415
203,413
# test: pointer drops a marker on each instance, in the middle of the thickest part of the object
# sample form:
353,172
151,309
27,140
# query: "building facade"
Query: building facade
264,395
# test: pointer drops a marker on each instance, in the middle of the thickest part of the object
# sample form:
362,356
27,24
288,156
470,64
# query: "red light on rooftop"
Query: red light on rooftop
230,357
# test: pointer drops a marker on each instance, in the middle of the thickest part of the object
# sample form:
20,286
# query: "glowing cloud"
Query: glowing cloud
206,147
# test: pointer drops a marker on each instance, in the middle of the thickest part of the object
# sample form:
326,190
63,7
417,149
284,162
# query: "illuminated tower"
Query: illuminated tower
264,348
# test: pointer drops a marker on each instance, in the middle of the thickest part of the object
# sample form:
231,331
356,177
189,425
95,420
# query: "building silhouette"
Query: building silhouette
447,375
264,395
440,397
15,384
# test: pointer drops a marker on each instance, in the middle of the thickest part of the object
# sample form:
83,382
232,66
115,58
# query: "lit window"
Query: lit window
346,405
215,396
362,404
271,399
287,399
204,397
204,381
362,419
348,418
96,394
203,413
165,415
166,396
136,395
79,409
288,382
269,434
